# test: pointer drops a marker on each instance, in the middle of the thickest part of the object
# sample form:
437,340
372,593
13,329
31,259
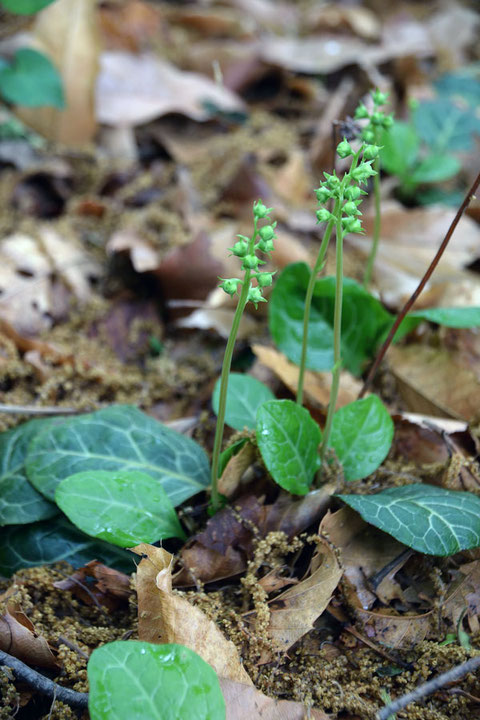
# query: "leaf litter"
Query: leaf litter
97,308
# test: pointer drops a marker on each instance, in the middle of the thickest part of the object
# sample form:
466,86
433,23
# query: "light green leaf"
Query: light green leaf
427,518
19,501
364,320
137,680
118,438
288,440
400,147
25,7
51,541
454,317
362,433
244,396
31,80
435,168
122,508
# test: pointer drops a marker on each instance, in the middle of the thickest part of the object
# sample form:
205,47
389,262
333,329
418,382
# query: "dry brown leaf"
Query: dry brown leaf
436,381
134,89
165,617
316,384
293,613
409,240
143,255
231,477
364,550
67,31
129,25
331,16
110,589
19,638
244,701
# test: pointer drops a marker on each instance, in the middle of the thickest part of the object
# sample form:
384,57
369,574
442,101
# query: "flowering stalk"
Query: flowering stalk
245,249
371,134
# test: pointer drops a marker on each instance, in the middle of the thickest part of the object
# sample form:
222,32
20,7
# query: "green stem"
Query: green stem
308,299
226,365
377,223
337,339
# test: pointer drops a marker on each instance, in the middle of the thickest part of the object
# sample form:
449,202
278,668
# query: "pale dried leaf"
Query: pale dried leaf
244,701
165,617
19,638
67,31
134,89
144,257
316,384
231,477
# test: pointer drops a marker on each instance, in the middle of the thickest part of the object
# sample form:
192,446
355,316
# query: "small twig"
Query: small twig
42,684
421,285
429,687
38,410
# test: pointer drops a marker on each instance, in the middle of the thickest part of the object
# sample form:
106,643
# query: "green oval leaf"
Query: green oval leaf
52,541
435,168
131,680
400,147
364,320
288,440
443,125
31,80
19,501
122,508
118,438
454,317
244,396
429,519
362,433
25,7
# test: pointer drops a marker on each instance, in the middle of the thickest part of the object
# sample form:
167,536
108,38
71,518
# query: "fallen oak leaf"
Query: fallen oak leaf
165,617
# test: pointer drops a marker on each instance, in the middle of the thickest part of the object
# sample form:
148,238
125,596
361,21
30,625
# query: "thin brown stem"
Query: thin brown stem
410,302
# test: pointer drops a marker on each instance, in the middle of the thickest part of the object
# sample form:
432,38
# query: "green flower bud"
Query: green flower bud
323,194
363,172
344,149
388,121
323,215
379,98
230,285
240,249
265,246
377,118
368,135
361,113
264,279
255,296
370,152
250,262
267,232
351,225
332,181
260,211
352,192
350,208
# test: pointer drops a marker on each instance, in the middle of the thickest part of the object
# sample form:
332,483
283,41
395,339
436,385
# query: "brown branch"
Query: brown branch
43,685
408,305
429,687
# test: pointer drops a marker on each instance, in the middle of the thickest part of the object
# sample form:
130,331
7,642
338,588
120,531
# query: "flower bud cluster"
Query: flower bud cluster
246,249
377,119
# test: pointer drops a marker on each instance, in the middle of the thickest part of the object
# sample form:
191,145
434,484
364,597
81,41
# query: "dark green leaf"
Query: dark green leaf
19,501
31,80
118,438
427,518
464,83
244,396
134,680
445,126
435,168
122,508
363,321
400,147
51,541
25,7
288,440
362,433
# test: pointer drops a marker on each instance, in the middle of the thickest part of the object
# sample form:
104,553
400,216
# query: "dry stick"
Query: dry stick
423,282
39,410
429,687
42,684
